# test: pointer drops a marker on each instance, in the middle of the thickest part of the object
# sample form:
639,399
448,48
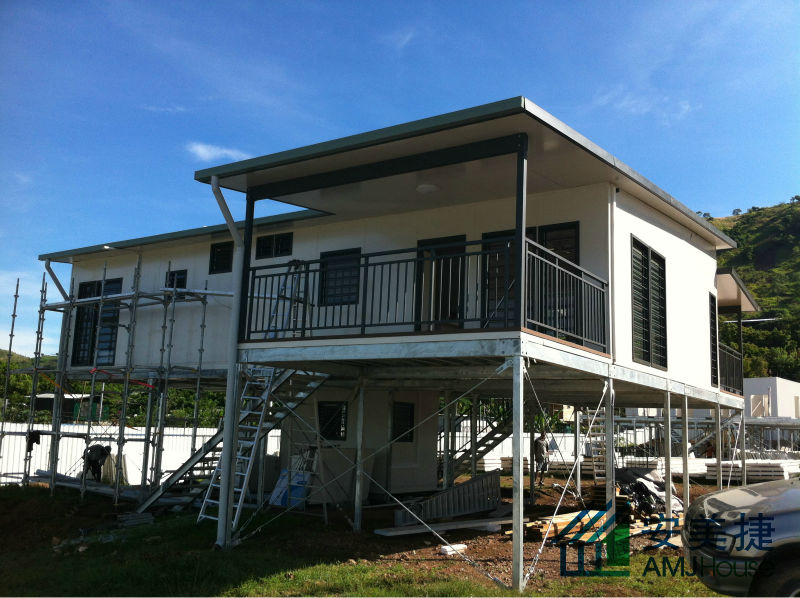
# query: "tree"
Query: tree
707,215
795,199
737,211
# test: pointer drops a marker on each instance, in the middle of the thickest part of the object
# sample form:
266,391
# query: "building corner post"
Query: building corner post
521,218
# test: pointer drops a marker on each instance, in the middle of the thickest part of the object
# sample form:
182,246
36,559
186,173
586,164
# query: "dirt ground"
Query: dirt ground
29,523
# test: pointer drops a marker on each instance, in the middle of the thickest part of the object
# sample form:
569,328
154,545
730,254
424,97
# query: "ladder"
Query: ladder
262,409
597,445
289,291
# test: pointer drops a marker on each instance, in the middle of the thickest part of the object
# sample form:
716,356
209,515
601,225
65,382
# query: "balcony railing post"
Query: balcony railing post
364,295
305,304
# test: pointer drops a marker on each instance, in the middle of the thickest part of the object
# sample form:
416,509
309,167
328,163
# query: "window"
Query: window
561,239
221,259
86,322
176,279
332,417
712,320
279,245
339,277
403,422
649,305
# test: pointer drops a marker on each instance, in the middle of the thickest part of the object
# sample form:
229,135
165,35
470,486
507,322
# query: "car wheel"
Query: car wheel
783,581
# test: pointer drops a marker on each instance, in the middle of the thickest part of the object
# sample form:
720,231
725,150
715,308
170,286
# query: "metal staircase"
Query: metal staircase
495,419
595,464
191,479
265,402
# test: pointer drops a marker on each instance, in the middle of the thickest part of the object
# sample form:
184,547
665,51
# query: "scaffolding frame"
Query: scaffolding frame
128,373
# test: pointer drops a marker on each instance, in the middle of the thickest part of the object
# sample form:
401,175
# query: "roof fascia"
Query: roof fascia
178,235
361,140
740,283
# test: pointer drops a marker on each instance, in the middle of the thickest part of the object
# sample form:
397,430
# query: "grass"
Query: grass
294,556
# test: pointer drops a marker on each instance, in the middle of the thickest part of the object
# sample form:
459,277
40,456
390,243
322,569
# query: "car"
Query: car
745,541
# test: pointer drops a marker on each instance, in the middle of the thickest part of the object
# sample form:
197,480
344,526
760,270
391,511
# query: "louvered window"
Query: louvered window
712,319
87,320
649,305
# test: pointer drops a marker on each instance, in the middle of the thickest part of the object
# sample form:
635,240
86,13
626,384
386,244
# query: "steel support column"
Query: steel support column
609,438
718,447
231,425
359,460
520,243
578,452
743,449
667,462
517,475
685,451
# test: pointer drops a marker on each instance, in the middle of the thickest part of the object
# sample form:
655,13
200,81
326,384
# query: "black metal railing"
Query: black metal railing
466,285
731,377
565,300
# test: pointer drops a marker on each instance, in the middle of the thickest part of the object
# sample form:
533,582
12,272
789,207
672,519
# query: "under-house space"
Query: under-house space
439,290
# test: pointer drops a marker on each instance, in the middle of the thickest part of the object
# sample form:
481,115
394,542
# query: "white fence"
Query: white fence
177,449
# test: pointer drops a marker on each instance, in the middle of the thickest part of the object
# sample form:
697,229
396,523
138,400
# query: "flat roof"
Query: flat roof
67,255
331,154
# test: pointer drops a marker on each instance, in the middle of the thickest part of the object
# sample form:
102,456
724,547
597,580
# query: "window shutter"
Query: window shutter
640,285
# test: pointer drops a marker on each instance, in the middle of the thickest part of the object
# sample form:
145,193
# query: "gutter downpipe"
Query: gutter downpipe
231,420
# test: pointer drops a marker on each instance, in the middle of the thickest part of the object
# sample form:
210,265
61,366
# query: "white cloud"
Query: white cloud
23,178
206,152
642,103
172,109
399,39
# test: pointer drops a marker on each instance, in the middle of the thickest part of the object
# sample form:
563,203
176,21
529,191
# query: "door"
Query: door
441,271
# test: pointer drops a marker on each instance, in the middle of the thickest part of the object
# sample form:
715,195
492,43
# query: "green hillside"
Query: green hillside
768,261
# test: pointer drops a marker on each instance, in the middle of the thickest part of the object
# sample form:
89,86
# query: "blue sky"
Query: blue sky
107,108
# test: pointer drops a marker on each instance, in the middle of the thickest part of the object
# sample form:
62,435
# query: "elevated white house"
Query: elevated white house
489,252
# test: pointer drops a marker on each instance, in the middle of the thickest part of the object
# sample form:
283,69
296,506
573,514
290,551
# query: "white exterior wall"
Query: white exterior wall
587,205
413,464
192,255
690,272
784,395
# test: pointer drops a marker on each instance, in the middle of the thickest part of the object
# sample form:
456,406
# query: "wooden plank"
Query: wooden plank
421,529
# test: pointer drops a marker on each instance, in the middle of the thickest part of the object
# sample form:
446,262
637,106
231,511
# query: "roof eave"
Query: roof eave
515,105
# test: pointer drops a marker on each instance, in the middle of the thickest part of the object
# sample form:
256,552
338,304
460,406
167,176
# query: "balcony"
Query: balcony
447,287
731,377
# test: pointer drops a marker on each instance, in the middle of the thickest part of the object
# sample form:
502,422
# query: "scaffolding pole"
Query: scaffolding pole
8,374
94,370
163,403
198,380
58,394
126,384
37,357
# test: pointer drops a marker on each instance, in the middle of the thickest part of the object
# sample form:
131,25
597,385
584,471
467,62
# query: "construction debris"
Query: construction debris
645,490
438,527
453,549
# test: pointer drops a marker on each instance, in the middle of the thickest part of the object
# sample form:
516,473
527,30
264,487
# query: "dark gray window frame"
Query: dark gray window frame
269,246
332,267
89,317
655,304
333,426
221,264
714,339
403,429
